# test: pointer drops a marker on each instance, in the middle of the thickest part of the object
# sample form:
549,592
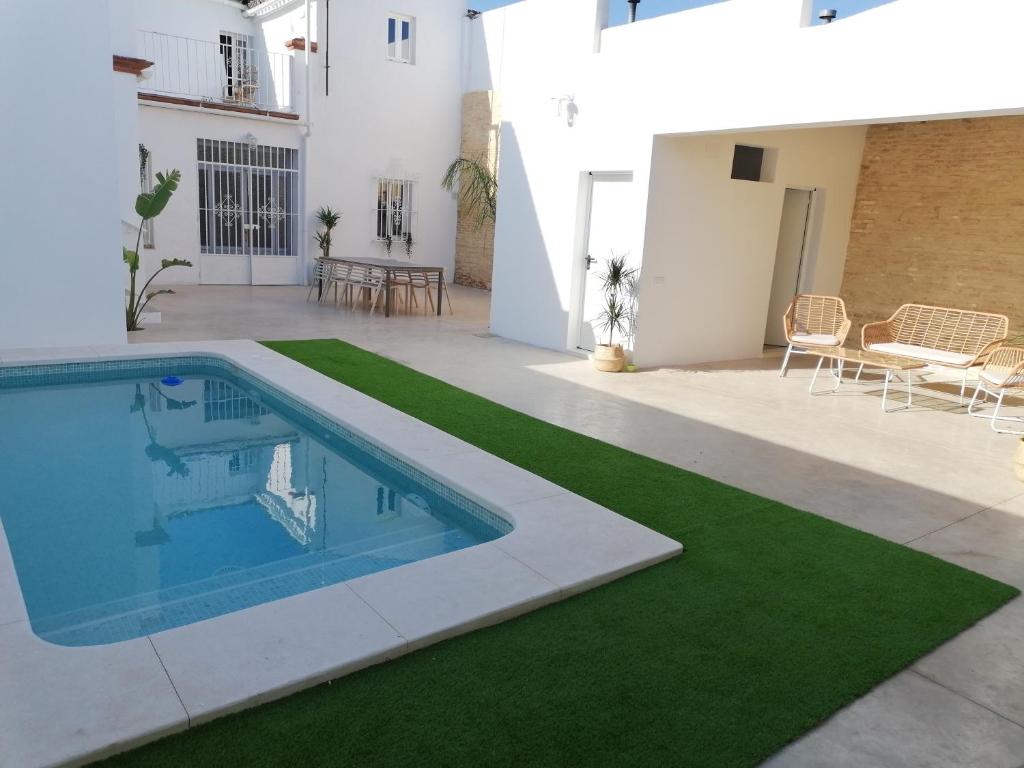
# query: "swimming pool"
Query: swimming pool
142,495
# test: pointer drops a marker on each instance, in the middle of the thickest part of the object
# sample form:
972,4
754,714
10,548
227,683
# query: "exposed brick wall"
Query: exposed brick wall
474,243
939,219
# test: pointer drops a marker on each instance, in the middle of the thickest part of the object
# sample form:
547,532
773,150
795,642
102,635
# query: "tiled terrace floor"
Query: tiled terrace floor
929,477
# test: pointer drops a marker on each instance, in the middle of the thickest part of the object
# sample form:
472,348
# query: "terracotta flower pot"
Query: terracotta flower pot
1018,460
609,358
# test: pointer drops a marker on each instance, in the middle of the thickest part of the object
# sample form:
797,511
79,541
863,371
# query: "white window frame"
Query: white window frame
396,200
394,51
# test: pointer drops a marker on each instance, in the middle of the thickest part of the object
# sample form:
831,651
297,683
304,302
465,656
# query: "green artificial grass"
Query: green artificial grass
771,621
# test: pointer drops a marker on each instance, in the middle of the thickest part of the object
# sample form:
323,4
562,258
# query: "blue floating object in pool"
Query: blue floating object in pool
172,381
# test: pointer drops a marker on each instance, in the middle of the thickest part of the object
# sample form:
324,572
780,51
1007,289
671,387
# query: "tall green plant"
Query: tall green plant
328,219
149,205
618,282
478,187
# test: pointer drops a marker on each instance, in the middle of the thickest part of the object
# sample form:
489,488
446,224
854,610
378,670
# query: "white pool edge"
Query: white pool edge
69,706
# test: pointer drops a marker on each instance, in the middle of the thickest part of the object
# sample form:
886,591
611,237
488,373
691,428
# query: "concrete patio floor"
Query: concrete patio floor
929,477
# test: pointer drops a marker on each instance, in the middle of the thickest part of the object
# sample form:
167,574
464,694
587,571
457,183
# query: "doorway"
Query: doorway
790,260
606,235
248,213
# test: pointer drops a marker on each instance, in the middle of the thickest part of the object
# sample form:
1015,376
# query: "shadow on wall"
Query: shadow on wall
526,304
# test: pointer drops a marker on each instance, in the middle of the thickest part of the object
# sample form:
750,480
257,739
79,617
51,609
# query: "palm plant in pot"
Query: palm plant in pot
617,314
328,218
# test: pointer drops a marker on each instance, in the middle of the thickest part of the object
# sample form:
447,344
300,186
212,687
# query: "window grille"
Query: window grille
394,208
248,199
400,39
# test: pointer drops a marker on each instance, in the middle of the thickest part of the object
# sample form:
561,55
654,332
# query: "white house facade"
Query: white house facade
661,109
732,152
265,132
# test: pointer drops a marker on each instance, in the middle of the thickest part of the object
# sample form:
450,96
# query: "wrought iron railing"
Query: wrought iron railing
233,71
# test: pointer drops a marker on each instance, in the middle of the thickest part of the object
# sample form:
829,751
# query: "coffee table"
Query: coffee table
895,367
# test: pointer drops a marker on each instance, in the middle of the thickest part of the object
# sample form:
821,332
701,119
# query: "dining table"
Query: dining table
391,267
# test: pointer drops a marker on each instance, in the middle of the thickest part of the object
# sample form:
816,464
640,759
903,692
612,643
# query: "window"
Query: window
400,43
394,208
240,74
146,185
248,198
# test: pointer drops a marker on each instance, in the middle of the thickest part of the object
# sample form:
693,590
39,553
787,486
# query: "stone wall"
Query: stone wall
474,243
939,219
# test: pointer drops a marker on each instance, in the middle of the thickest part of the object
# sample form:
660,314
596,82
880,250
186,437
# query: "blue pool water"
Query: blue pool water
132,505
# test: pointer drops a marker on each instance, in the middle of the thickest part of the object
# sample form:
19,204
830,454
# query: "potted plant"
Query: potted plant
618,284
409,243
389,243
328,219
149,205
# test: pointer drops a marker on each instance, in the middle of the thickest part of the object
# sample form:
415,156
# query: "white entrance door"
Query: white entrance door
248,214
607,236
789,261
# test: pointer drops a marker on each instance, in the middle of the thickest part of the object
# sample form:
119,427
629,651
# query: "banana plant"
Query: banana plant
149,205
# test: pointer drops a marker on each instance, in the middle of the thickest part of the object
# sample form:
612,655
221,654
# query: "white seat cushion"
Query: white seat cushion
990,377
937,356
815,339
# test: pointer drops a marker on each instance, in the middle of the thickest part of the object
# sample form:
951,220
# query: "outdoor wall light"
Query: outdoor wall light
252,140
567,108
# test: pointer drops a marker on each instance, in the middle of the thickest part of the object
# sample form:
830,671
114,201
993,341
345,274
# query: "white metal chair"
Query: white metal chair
321,274
1003,371
336,277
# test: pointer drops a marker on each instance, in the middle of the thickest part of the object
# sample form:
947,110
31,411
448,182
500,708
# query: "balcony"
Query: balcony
233,74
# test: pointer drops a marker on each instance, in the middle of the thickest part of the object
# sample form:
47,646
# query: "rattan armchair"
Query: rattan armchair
1003,371
813,322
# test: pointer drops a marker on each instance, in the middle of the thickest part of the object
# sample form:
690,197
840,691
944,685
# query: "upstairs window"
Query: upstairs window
400,42
394,208
239,66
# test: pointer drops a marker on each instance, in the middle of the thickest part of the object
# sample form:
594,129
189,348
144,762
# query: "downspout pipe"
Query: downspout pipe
305,143
309,90
632,9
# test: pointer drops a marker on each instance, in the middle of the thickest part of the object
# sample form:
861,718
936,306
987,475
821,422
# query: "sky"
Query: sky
649,8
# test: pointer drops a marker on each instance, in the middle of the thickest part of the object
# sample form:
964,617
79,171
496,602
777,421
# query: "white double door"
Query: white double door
607,235
248,226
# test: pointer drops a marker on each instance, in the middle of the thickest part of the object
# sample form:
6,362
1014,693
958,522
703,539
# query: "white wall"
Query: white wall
711,240
61,276
731,66
384,118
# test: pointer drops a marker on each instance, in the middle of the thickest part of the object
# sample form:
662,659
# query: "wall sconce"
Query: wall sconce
252,140
567,108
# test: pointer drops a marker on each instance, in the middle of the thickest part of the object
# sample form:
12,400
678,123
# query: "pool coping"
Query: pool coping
71,705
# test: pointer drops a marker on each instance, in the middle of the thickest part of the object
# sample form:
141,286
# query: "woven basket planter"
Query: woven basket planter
609,358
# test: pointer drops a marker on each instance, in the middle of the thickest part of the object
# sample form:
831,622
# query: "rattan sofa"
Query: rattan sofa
953,338
813,322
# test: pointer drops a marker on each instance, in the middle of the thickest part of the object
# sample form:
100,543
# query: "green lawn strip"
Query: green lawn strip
771,621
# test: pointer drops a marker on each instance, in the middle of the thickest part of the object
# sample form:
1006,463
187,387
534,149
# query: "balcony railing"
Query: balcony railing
233,71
